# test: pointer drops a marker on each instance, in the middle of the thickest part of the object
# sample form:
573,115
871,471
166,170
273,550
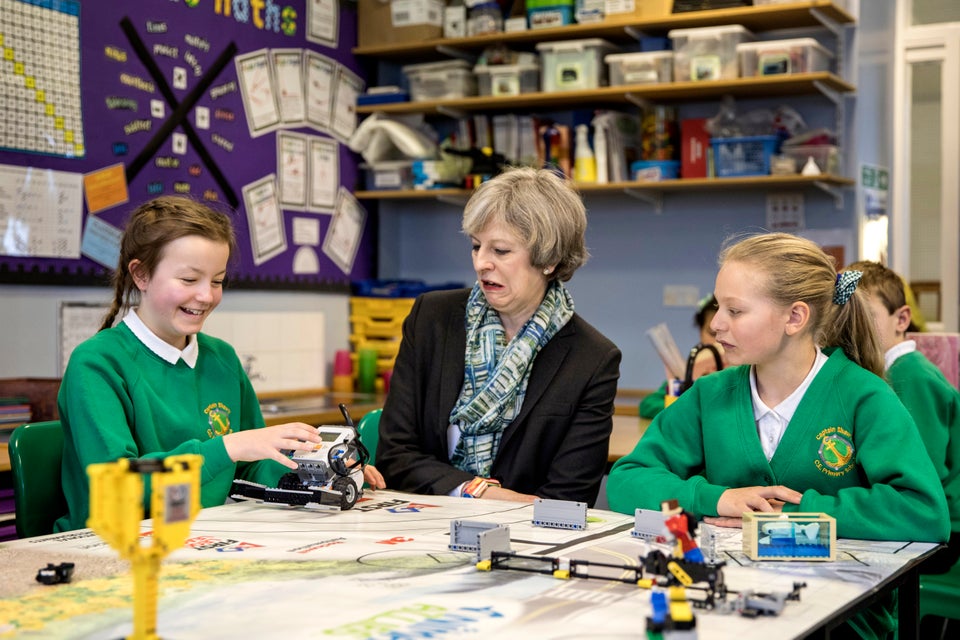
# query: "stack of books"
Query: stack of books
14,411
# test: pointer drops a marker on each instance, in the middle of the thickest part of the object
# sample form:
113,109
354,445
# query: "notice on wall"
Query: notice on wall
267,236
41,53
875,183
77,322
346,228
41,211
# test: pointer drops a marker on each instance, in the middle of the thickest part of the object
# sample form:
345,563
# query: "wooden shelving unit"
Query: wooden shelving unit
762,18
828,183
756,18
787,85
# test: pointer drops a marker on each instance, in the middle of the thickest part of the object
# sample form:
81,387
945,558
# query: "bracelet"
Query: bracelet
476,487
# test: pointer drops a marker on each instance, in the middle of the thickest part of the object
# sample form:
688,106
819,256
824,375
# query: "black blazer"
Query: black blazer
557,445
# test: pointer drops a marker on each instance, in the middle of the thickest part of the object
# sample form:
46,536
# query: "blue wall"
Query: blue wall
637,251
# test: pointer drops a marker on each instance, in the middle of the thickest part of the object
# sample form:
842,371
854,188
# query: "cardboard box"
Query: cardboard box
385,22
630,10
694,146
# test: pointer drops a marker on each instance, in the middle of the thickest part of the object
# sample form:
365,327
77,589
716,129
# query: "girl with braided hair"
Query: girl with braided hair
154,385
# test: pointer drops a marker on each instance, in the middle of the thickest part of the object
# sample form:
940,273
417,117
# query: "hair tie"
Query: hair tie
846,285
703,302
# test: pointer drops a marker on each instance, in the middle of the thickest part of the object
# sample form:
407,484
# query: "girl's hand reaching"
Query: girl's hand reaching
734,502
268,443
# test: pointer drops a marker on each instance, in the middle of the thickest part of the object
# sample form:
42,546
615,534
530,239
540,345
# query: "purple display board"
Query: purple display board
160,94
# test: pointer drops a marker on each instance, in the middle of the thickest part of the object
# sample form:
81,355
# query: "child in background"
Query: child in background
653,404
804,424
154,386
932,401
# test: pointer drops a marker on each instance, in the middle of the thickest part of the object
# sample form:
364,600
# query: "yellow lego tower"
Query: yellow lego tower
116,509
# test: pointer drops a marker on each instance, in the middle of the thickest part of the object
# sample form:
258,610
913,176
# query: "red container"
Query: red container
694,144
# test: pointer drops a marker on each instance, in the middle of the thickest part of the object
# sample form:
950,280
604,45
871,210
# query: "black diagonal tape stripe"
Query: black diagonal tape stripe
180,111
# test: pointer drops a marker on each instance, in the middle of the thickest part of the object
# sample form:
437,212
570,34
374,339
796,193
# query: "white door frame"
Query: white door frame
939,43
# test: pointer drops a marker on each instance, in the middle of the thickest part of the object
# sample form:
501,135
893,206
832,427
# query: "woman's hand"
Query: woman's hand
734,502
267,443
499,493
373,477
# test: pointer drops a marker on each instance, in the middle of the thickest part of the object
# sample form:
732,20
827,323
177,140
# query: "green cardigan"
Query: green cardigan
935,406
118,399
851,449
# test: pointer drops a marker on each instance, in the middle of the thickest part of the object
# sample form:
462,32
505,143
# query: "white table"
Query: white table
253,570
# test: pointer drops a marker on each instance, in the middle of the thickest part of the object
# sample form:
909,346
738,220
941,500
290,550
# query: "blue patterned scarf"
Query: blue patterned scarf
496,373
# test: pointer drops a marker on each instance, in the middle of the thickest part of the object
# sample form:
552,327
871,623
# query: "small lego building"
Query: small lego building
559,514
648,525
478,537
789,536
116,508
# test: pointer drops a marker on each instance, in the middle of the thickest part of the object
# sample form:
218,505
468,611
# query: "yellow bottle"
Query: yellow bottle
584,162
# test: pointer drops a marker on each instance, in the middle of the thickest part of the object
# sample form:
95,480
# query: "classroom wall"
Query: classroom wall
29,339
636,251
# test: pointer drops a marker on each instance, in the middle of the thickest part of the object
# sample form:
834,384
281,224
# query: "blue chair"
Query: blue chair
369,430
36,450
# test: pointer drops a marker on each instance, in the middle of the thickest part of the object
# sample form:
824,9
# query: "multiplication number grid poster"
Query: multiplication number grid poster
40,77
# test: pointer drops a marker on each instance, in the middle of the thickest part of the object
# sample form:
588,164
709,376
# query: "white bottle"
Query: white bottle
584,164
600,152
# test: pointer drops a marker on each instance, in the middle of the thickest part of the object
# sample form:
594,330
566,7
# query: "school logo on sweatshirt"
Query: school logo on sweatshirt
218,417
836,452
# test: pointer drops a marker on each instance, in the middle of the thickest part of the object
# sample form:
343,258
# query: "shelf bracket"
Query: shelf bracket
835,192
454,201
453,52
638,101
633,32
832,95
451,112
835,27
655,199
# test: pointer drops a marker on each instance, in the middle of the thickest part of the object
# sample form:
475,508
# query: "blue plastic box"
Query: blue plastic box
654,170
745,156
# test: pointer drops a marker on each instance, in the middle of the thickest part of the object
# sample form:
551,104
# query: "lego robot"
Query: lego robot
331,475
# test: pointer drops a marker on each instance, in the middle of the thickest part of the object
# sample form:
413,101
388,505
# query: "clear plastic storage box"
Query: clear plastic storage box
573,65
775,57
640,68
743,156
507,79
389,175
440,80
825,156
707,53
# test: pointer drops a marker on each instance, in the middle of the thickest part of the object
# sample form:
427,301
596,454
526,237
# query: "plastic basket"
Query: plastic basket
747,156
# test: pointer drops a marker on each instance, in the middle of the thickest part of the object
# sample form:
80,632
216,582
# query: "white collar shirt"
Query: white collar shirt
772,422
163,349
897,350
